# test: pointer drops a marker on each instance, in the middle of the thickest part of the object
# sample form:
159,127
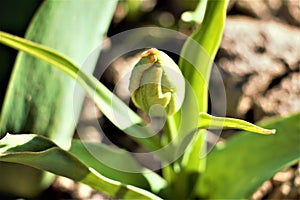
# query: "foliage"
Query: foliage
189,176
37,99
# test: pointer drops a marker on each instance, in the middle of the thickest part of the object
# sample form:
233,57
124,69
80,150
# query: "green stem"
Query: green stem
169,136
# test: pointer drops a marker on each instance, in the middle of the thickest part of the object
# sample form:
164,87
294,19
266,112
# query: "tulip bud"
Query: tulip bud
156,80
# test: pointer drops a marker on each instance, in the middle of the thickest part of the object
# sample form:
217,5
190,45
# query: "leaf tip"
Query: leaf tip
270,131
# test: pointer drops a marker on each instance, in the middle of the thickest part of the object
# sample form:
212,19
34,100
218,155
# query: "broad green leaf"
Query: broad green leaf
110,163
39,98
40,94
40,152
16,25
111,106
236,168
208,121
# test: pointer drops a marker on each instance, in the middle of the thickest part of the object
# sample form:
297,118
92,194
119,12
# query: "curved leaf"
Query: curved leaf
196,62
39,152
118,112
105,162
212,122
235,169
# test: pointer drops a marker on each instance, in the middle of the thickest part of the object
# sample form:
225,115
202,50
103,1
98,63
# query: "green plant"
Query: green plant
188,176
42,104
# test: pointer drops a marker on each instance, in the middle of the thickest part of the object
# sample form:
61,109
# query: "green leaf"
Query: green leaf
236,168
195,63
196,60
208,121
17,25
197,15
200,49
38,93
111,106
39,98
40,152
110,163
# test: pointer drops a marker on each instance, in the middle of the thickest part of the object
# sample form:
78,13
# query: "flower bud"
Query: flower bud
156,80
